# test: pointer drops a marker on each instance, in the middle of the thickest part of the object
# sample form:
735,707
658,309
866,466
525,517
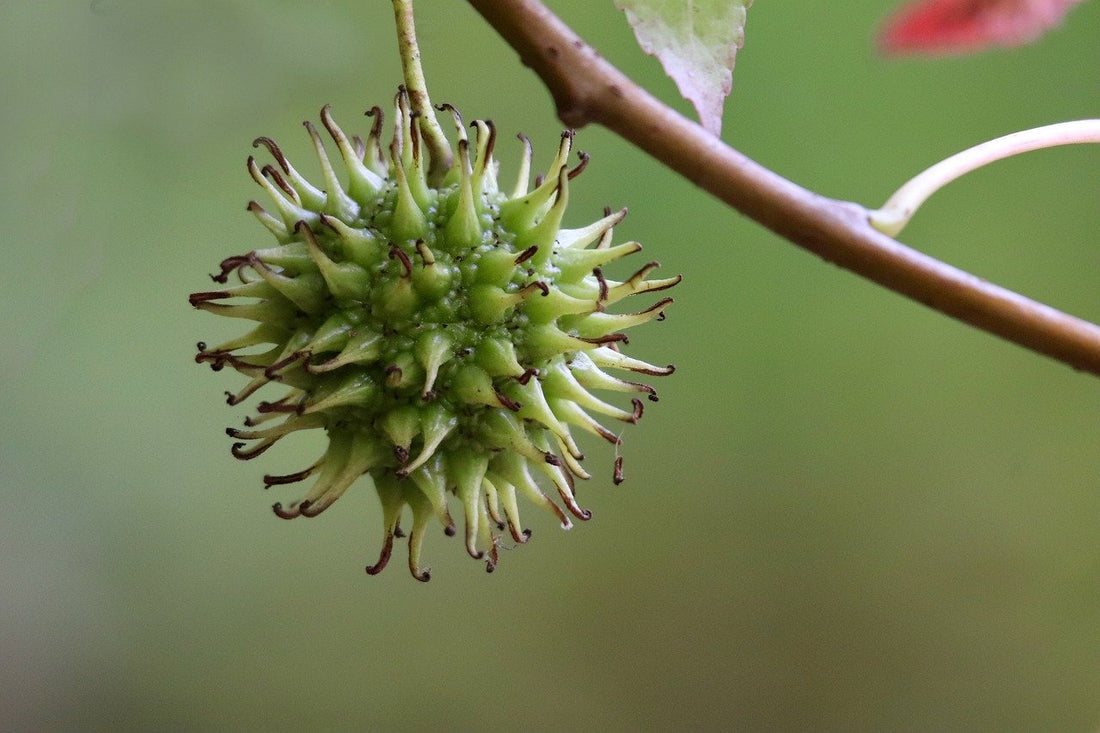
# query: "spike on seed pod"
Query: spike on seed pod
450,341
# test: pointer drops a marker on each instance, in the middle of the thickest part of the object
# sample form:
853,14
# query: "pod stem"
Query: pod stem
438,146
899,209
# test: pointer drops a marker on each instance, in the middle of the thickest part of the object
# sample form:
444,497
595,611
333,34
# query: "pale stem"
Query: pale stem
439,148
899,209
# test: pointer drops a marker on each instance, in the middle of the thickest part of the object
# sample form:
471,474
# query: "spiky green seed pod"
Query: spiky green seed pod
448,339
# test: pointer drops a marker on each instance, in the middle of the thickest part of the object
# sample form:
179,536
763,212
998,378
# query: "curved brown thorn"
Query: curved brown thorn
249,389
507,402
447,107
563,520
274,149
329,123
608,339
638,409
379,116
618,476
662,303
644,270
493,558
280,405
526,376
384,557
216,362
650,267
656,372
570,497
227,266
414,134
281,513
197,299
272,371
582,514
518,536
463,148
491,144
218,359
603,287
423,575
406,263
651,393
580,166
270,171
248,455
552,459
543,287
526,254
288,478
607,435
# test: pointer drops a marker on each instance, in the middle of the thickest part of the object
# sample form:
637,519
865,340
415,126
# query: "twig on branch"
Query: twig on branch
588,89
899,208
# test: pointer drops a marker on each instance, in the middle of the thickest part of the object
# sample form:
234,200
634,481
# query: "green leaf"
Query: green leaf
696,42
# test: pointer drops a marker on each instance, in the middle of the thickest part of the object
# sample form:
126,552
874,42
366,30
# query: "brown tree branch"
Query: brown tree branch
586,89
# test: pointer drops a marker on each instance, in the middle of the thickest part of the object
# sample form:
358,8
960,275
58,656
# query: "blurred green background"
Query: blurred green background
846,511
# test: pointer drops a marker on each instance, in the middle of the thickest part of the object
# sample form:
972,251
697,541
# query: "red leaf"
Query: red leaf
941,27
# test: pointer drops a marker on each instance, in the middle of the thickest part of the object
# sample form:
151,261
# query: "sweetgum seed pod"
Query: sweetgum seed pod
447,339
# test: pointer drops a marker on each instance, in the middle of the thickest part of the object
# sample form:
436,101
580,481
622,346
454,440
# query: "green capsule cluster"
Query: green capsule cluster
448,338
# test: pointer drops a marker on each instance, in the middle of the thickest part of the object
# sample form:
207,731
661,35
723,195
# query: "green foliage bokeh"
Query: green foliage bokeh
845,512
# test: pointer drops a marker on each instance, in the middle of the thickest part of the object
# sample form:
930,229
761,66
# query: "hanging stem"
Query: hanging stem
440,149
586,88
899,209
